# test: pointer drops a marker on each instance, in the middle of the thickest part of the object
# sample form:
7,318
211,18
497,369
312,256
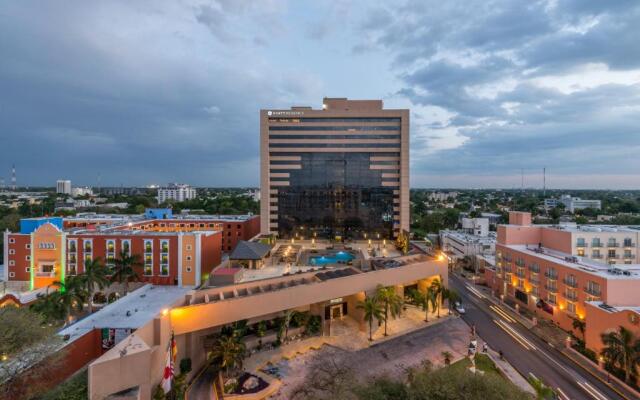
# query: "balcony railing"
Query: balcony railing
551,288
612,244
593,291
628,256
596,256
41,274
570,282
520,274
551,275
534,268
571,296
534,281
520,263
612,256
629,244
581,244
596,244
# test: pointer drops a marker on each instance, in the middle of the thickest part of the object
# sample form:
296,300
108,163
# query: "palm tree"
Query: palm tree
447,357
372,309
543,391
622,349
286,322
451,296
422,300
94,275
229,352
580,325
391,303
436,292
126,269
48,306
71,295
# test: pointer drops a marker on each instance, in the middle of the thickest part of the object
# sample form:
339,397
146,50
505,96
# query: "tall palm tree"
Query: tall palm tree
422,300
126,269
286,322
95,274
48,306
391,303
580,325
622,349
451,296
436,289
229,352
372,309
431,299
71,295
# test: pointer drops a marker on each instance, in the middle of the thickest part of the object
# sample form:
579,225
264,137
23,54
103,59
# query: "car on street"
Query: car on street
459,308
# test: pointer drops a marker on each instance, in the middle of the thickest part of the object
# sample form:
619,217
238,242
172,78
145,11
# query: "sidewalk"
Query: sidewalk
509,372
541,330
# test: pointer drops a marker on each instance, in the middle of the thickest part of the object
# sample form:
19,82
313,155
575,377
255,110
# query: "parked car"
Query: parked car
459,308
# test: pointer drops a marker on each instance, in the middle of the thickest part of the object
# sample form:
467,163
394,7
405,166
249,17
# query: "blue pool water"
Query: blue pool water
341,256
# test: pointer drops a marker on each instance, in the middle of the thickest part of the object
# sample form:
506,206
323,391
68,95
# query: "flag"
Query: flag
168,374
169,370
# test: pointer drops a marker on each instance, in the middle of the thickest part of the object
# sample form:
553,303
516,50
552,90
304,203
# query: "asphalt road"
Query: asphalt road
525,351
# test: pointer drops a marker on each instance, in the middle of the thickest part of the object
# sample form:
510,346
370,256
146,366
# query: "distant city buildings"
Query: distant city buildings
472,240
342,171
572,204
176,192
63,187
442,196
81,191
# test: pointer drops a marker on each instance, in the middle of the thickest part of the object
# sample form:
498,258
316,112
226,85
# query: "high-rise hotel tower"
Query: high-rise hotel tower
342,171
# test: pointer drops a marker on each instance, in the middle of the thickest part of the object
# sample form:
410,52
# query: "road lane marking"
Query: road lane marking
502,314
504,328
592,391
476,292
562,394
517,334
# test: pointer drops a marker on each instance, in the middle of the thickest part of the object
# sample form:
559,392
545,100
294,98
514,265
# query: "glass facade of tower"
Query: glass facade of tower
335,194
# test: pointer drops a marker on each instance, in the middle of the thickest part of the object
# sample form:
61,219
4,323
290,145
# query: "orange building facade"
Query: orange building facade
536,269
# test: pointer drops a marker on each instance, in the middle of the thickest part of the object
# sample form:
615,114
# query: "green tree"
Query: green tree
372,310
228,352
622,350
435,294
126,270
580,325
446,356
95,274
391,303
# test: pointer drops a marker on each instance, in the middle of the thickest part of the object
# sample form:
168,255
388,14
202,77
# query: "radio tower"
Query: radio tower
13,177
544,182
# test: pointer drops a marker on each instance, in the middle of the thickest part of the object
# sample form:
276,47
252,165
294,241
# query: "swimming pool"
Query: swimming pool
341,257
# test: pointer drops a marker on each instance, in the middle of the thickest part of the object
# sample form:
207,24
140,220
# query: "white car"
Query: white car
459,308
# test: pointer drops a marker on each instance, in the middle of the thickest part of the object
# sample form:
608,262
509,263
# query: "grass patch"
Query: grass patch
74,388
483,363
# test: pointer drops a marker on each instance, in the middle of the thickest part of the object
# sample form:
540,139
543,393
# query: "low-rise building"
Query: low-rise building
538,266
572,204
178,250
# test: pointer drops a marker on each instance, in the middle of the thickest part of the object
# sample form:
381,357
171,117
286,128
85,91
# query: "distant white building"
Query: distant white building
572,204
81,191
476,226
458,244
442,196
83,203
63,186
176,192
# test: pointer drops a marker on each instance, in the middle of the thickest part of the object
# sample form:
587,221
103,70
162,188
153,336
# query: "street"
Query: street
525,351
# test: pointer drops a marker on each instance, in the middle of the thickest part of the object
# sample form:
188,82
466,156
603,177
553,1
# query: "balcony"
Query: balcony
570,282
612,256
534,281
596,256
629,244
520,274
613,244
595,292
628,256
520,263
551,275
551,288
596,244
534,268
581,244
571,296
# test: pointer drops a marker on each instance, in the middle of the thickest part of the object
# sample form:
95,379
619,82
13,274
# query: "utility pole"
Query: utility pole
544,182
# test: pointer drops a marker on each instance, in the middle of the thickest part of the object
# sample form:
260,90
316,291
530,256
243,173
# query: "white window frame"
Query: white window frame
12,240
12,263
167,253
12,274
122,242
12,252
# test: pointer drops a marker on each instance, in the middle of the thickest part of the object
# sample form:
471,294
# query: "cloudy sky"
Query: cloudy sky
141,92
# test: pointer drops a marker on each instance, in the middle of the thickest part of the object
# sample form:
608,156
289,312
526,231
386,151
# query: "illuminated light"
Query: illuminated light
165,312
